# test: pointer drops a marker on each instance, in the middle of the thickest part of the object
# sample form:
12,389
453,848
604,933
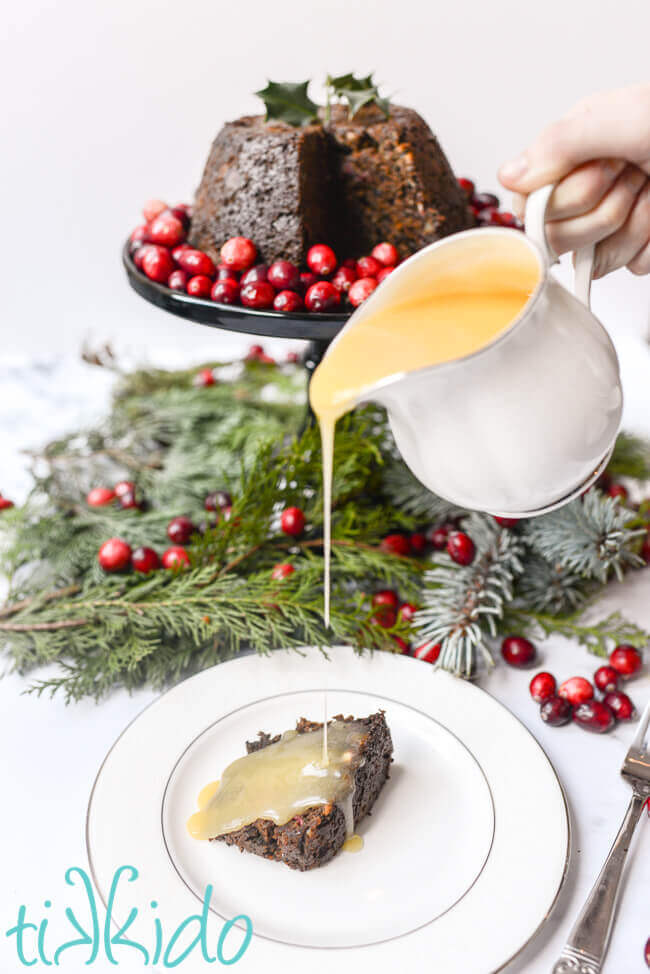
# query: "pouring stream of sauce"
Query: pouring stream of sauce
456,313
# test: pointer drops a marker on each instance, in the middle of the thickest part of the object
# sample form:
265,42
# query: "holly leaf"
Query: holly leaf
289,102
357,92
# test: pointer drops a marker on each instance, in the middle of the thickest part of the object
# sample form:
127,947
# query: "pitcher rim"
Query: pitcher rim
516,321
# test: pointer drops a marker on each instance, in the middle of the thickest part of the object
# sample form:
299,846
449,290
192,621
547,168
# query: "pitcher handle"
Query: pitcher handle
536,230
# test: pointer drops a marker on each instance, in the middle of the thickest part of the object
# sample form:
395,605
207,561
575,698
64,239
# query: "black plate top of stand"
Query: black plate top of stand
273,324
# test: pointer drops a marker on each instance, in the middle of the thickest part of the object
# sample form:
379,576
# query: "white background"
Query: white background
109,103
106,104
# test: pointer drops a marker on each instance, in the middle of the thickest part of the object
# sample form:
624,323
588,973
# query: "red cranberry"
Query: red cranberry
506,522
145,560
386,597
402,645
385,616
288,301
182,212
556,711
204,377
618,490
225,292
461,548
438,537
418,543
306,280
166,230
594,716
175,557
258,294
407,611
361,290
467,186
138,255
386,254
180,530
576,690
321,259
488,217
368,267
239,253
282,570
482,200
626,660
343,279
157,263
199,286
396,544
606,679
177,251
123,487
428,652
99,496
383,274
152,208
255,351
114,555
196,262
292,358
5,503
218,500
322,297
140,235
129,500
283,275
177,280
542,687
292,521
645,548
518,651
225,273
257,273
620,705
502,218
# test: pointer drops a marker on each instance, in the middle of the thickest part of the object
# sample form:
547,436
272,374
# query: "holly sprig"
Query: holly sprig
356,92
288,101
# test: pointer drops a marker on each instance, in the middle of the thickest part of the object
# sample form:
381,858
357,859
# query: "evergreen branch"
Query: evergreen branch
588,537
461,605
631,458
598,637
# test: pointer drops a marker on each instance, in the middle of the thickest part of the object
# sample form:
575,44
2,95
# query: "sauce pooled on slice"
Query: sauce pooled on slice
283,779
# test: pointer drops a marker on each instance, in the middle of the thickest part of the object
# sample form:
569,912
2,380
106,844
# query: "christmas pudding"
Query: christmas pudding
352,181
298,796
309,208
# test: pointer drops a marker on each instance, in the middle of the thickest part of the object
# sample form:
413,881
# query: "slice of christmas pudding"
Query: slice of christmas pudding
298,796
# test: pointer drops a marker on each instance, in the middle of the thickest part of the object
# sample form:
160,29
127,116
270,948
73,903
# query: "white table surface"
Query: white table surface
51,753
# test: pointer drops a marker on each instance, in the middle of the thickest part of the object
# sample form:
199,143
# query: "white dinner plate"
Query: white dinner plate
464,854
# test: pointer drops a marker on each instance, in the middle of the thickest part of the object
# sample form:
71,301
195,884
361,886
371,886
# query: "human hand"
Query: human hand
599,157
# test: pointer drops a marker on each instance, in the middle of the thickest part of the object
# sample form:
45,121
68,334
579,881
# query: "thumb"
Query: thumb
603,126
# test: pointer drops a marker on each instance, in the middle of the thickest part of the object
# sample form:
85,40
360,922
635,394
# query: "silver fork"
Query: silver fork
586,947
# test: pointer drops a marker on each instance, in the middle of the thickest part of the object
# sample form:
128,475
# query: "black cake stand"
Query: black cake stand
317,329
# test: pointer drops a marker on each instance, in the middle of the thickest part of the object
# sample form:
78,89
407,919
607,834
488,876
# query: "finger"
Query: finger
608,125
519,205
641,263
621,248
605,219
583,189
578,192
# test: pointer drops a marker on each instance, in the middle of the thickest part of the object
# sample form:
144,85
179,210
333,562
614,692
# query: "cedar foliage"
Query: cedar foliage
178,443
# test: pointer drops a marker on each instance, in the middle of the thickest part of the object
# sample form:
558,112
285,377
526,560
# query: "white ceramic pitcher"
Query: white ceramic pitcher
529,421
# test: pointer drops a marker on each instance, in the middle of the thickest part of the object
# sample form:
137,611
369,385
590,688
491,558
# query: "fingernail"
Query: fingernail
515,169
